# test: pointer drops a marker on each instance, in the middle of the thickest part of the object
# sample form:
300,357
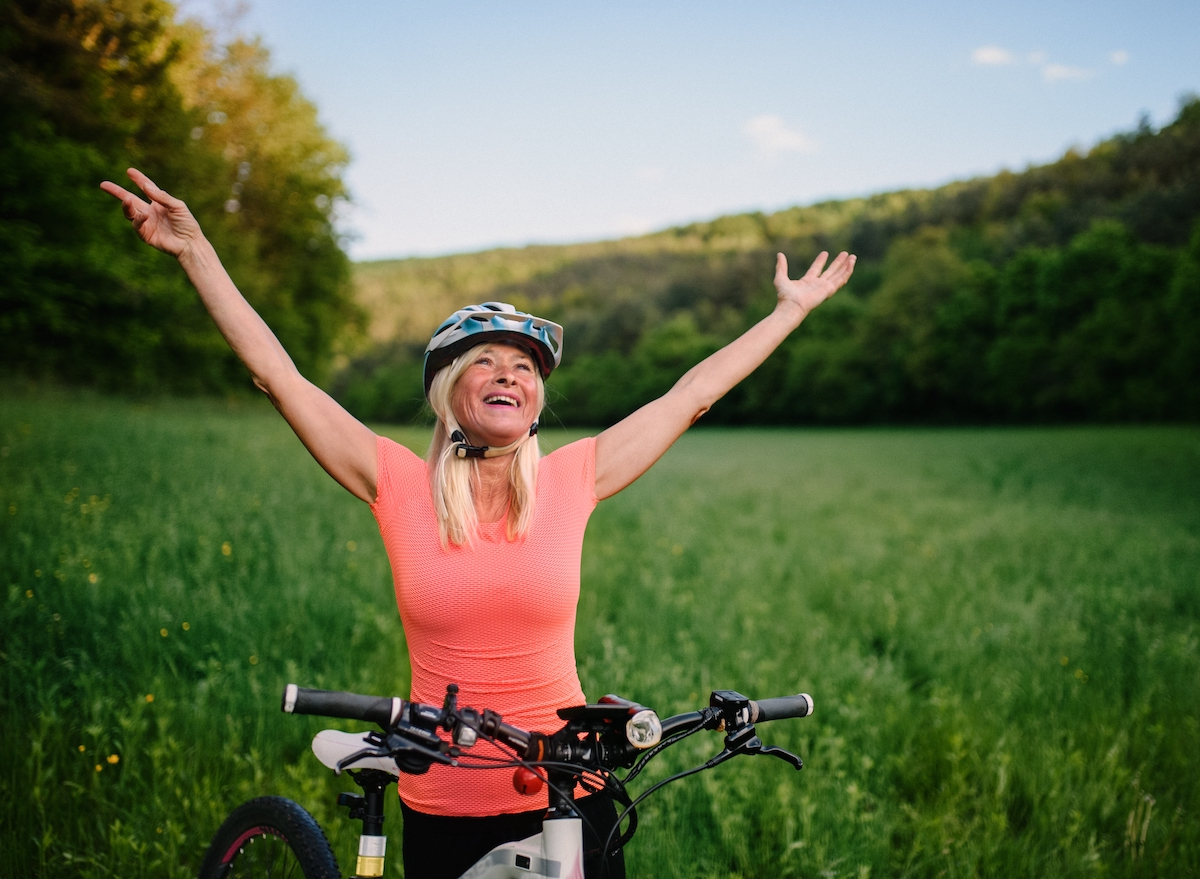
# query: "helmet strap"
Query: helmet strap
463,449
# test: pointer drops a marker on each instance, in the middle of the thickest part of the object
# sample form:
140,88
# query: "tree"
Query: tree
89,88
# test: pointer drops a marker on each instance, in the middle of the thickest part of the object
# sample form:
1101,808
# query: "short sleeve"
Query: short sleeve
573,469
397,470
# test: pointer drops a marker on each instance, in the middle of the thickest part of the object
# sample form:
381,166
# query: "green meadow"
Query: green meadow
999,628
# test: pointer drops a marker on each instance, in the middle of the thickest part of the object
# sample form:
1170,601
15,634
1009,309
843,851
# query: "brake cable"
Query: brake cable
609,783
665,743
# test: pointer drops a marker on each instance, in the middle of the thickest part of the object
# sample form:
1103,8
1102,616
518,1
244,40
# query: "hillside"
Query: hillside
1064,292
406,298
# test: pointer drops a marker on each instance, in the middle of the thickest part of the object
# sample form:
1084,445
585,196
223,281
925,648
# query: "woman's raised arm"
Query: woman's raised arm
628,449
341,444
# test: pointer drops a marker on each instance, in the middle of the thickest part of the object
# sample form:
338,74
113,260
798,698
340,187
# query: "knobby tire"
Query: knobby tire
270,837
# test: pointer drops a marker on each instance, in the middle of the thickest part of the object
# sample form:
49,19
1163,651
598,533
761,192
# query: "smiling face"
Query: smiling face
496,398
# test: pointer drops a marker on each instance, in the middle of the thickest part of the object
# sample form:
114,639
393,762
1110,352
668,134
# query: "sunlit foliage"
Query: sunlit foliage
89,88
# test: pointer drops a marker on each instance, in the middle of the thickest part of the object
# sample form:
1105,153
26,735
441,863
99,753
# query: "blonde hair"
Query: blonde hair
454,481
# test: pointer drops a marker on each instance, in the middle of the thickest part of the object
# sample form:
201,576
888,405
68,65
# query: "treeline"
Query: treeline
91,87
1066,292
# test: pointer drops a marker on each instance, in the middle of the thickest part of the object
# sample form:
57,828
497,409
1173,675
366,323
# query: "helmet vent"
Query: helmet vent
493,321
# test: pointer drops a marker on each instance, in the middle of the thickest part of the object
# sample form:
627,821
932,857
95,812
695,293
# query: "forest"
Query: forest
1059,293
90,88
1063,293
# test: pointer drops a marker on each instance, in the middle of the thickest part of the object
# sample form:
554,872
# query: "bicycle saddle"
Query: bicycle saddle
333,745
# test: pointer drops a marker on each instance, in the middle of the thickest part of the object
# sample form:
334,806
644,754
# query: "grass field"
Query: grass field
999,627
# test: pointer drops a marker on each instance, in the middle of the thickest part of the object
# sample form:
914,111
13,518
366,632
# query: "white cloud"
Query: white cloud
650,174
992,56
1119,57
995,56
1057,72
771,137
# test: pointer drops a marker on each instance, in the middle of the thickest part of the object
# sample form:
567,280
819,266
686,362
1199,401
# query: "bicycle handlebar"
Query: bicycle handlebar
349,706
596,740
387,712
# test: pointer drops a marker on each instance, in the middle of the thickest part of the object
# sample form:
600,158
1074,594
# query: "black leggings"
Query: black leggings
445,847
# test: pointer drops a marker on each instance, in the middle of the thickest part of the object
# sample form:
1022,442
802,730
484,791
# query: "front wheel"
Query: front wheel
270,836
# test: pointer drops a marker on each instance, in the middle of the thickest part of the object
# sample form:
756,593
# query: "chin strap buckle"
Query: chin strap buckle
463,449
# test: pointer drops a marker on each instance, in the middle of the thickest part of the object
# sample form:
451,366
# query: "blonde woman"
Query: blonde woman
484,536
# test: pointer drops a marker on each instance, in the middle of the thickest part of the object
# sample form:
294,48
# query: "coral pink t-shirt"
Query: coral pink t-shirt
497,618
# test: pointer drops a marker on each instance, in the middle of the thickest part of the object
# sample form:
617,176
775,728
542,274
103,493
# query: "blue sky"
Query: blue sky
473,125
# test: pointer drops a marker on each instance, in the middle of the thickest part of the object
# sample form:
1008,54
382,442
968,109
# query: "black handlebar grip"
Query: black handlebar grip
330,703
517,739
781,707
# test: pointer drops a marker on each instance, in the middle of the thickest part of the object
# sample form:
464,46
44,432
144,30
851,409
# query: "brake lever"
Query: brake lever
401,751
785,756
355,757
401,748
746,741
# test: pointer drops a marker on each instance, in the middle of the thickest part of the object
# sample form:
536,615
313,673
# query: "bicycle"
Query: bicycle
276,836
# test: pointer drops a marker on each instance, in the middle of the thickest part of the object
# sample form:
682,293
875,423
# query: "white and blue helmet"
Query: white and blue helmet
493,322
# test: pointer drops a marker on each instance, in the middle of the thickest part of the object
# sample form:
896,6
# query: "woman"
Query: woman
485,536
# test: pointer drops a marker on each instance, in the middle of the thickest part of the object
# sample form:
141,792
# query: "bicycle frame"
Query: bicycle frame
555,853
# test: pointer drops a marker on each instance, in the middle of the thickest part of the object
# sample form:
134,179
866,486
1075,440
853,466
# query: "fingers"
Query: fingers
837,273
134,206
814,270
781,274
839,270
116,191
152,190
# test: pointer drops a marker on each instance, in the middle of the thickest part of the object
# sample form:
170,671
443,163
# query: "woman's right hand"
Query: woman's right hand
165,223
339,442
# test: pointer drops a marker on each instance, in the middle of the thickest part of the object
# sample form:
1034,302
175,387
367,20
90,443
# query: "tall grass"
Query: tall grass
999,627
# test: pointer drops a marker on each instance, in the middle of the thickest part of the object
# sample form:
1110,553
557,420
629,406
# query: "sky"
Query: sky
480,124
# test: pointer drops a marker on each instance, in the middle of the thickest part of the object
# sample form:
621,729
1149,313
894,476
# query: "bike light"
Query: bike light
464,736
644,730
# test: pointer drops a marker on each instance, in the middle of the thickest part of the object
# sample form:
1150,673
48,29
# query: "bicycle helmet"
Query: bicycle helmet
493,322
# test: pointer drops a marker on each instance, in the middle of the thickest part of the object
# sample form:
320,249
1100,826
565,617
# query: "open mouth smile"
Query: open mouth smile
501,400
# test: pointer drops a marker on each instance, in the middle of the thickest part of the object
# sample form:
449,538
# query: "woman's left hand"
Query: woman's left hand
816,286
628,449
